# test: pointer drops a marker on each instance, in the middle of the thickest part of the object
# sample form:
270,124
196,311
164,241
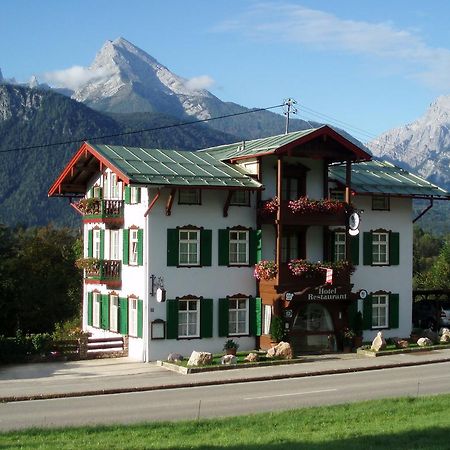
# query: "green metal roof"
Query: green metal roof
172,167
382,177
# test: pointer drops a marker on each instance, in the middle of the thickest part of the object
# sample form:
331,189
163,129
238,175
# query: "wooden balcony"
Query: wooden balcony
101,210
105,272
319,216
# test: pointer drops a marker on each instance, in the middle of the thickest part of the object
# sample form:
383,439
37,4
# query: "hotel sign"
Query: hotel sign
328,293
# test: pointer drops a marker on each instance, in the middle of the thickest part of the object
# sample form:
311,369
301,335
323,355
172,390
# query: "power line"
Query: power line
145,130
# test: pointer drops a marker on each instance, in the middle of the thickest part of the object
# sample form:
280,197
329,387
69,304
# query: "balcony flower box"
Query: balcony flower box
269,208
89,206
265,270
305,206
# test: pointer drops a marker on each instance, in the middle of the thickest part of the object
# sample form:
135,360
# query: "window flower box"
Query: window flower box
265,270
304,205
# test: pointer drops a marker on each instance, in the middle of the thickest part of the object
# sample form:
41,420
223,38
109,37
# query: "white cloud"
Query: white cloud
324,31
74,77
200,82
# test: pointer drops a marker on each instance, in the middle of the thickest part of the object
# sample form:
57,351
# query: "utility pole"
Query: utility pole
288,109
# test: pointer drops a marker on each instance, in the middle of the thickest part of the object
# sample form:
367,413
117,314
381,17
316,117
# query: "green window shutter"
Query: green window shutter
138,195
352,311
140,248
127,195
90,308
332,248
104,314
223,317
172,319
394,303
255,326
90,243
354,250
205,247
123,315
126,246
224,248
255,247
172,247
140,318
367,313
394,249
367,249
102,244
206,318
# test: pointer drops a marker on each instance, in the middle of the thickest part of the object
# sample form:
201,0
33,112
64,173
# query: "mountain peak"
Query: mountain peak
1,75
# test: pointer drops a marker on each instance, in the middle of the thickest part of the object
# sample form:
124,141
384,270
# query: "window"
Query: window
135,195
380,311
114,313
337,195
114,250
96,311
238,247
114,191
189,248
134,240
292,188
96,236
132,316
380,248
238,316
380,203
290,246
267,319
339,246
189,197
240,198
188,318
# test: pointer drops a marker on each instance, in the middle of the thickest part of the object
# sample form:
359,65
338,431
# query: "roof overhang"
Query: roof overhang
73,180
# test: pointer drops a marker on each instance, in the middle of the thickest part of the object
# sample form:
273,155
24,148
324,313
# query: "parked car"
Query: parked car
431,314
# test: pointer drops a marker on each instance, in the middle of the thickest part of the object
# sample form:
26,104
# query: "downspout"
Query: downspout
424,211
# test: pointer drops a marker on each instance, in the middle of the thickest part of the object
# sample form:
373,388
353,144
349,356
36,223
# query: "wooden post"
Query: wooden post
279,215
348,184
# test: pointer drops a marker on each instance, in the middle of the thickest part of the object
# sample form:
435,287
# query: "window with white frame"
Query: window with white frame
134,239
240,198
380,248
239,247
339,245
114,313
96,309
189,247
114,245
189,197
267,319
96,243
132,316
134,195
238,316
114,187
189,318
380,311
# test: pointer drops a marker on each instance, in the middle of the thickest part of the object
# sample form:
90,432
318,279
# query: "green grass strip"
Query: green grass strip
405,423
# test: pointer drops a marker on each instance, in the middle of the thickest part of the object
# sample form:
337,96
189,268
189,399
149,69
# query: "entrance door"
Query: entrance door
313,330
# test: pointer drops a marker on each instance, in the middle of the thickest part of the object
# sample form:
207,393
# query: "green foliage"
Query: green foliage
21,347
276,329
438,276
40,284
230,344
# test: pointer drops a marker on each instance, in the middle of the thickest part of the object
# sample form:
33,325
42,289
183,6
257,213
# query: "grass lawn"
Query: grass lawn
407,423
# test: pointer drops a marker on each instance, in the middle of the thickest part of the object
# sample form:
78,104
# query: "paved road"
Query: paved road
227,400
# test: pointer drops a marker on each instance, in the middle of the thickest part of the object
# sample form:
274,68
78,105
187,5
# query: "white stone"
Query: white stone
379,343
424,342
199,358
228,360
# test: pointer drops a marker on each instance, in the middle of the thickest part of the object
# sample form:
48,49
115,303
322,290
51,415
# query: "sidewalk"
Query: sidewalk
109,376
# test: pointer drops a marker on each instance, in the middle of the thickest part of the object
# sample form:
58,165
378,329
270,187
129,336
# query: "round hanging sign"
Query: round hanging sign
353,221
160,295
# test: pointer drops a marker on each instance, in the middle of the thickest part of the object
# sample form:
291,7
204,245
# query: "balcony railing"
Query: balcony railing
103,271
100,209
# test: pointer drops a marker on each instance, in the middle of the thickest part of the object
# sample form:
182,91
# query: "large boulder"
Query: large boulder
400,343
174,357
379,343
445,338
252,357
228,360
200,359
424,342
282,350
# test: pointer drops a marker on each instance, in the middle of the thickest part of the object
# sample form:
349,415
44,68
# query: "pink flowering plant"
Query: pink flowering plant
265,270
269,207
301,267
305,205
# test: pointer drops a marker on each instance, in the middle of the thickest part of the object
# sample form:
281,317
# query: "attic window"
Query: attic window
189,197
380,203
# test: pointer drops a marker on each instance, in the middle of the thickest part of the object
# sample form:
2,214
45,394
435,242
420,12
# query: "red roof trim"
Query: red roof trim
84,149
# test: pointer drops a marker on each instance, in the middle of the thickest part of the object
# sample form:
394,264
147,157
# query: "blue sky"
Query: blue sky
372,65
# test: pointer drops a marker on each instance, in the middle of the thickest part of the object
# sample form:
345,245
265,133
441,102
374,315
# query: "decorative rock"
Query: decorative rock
174,357
282,350
401,343
431,335
252,357
445,338
199,358
379,343
443,331
424,342
228,360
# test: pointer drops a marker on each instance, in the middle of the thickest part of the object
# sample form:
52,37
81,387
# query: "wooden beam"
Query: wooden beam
227,204
170,202
155,198
279,224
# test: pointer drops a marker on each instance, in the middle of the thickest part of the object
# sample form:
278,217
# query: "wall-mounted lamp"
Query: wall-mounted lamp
157,283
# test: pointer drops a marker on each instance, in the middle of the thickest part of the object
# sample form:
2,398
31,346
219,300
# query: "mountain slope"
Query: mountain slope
33,117
125,79
422,146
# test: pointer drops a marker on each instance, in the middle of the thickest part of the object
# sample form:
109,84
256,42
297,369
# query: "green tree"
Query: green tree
438,277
